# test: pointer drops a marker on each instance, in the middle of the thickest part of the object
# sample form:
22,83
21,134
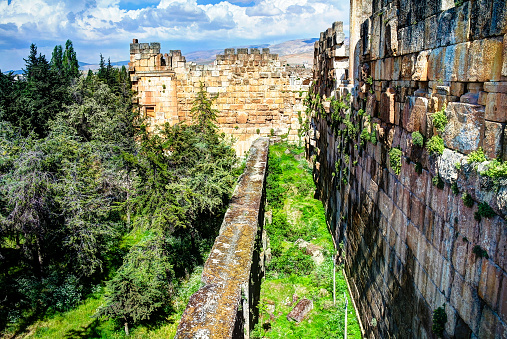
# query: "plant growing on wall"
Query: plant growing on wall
440,120
417,138
477,156
435,145
480,252
439,320
395,159
484,210
467,199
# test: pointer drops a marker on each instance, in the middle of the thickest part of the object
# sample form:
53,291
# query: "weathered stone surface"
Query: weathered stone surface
212,310
414,114
435,64
496,107
421,67
387,109
311,249
465,127
485,60
301,310
447,165
494,139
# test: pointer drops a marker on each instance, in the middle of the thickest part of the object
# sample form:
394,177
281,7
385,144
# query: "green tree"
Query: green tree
69,62
203,115
141,286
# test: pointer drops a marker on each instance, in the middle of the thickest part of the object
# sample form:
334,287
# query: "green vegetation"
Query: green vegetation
438,182
435,145
291,271
418,167
484,210
439,119
439,320
395,155
454,188
480,252
477,156
417,138
96,212
496,169
467,199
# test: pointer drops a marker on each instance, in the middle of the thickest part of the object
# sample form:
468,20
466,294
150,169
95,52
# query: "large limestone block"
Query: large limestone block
414,114
431,32
480,19
485,60
490,283
465,127
387,109
494,139
447,165
407,66
435,64
504,65
421,67
496,107
499,17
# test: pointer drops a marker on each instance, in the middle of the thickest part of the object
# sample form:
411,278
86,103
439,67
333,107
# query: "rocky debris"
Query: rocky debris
301,310
287,151
311,249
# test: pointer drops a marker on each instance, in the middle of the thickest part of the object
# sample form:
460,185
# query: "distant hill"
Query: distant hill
297,51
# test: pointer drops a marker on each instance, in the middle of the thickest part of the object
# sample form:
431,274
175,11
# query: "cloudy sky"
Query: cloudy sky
108,26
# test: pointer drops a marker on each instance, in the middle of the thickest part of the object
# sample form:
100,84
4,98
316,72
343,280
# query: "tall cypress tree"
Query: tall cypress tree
70,63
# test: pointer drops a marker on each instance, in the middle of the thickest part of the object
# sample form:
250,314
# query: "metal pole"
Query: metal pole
346,304
334,280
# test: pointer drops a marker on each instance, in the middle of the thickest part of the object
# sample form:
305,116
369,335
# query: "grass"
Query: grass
79,323
298,215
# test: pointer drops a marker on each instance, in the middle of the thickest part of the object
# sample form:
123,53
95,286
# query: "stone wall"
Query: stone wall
410,242
255,93
225,306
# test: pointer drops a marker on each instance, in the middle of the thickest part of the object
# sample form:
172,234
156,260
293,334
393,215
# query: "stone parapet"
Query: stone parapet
232,274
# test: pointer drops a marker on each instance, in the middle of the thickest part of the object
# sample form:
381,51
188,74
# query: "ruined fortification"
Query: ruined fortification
255,93
419,227
413,225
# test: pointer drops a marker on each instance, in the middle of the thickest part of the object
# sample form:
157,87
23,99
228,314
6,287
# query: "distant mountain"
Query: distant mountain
297,51
301,47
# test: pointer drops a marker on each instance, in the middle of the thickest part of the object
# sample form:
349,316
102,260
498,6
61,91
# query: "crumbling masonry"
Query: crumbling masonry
255,93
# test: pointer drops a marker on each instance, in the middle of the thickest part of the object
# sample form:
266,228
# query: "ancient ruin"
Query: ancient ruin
393,163
255,94
398,122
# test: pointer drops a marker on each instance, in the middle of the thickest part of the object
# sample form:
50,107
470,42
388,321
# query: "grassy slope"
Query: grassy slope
78,322
307,221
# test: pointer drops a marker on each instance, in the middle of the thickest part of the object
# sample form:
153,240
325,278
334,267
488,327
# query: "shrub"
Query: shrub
395,159
480,252
439,320
477,156
467,200
484,210
272,132
435,145
454,188
440,120
417,138
496,169
292,261
438,182
258,131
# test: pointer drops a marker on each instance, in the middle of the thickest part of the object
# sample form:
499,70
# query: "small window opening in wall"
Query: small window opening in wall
150,111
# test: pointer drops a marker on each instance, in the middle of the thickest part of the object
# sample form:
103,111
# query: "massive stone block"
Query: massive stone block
465,129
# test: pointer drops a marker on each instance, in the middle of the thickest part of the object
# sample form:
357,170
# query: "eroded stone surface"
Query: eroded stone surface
301,310
212,310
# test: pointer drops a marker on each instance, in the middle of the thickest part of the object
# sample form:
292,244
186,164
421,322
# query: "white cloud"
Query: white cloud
94,23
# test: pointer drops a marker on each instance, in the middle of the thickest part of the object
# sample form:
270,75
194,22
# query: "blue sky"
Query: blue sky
108,26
